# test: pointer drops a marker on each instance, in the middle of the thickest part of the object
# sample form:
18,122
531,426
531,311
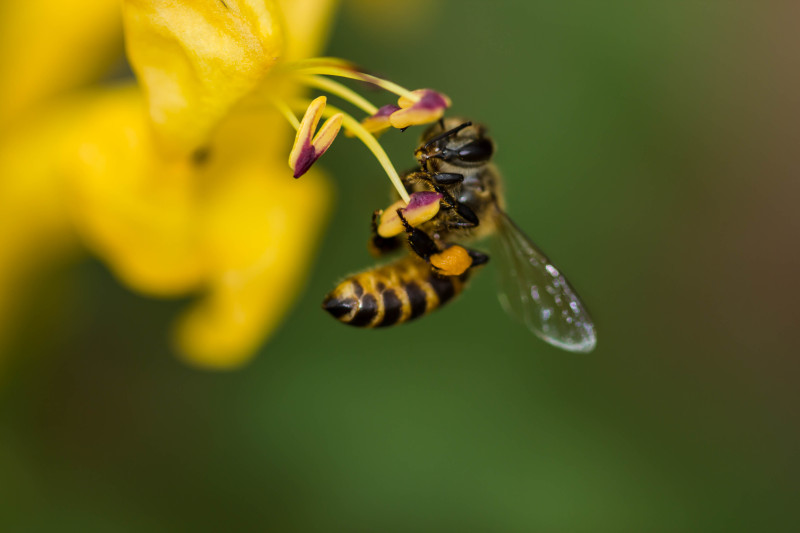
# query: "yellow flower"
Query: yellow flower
179,183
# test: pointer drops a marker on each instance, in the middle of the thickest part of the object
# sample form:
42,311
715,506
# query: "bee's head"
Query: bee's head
455,141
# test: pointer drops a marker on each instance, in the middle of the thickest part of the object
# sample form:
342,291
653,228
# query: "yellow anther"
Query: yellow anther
422,207
307,150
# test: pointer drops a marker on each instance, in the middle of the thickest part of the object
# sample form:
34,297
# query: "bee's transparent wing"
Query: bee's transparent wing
533,291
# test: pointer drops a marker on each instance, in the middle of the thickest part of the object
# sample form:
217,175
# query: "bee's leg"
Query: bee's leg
469,216
441,260
440,181
378,245
421,243
478,258
409,178
446,178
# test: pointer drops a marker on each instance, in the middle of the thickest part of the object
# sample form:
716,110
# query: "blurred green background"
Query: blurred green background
650,148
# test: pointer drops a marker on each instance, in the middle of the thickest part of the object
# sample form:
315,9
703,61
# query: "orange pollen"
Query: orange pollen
453,261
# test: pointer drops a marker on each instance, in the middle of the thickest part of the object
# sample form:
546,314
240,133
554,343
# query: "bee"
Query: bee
454,159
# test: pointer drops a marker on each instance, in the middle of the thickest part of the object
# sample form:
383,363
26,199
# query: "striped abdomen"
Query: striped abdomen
392,294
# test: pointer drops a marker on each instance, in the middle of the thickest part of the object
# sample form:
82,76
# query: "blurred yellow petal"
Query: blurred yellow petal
262,234
176,185
34,224
197,60
49,46
233,225
393,20
307,24
133,208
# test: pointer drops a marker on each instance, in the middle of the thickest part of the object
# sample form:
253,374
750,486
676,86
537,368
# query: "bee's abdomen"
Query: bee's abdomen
392,294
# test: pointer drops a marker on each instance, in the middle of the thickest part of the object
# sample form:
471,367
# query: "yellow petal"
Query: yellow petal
196,60
307,24
50,46
233,225
390,20
262,235
133,208
35,233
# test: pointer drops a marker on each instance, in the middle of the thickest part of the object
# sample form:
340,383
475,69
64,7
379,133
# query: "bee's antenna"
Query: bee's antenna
447,134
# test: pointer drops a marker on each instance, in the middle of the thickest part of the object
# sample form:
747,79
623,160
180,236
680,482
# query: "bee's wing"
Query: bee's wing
533,291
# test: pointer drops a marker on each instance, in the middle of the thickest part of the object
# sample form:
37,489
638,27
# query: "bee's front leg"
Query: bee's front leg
440,181
419,241
446,178
462,210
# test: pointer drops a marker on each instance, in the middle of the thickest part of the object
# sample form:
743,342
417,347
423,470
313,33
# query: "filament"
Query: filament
287,113
369,141
337,89
344,69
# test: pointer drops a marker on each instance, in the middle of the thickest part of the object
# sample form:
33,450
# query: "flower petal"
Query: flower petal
35,231
231,225
261,235
308,23
196,60
50,46
136,210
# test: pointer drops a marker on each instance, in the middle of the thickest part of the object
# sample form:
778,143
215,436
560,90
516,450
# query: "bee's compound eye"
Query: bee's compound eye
477,151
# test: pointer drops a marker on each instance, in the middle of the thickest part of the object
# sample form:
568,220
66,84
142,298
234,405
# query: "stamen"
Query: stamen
417,107
337,89
321,62
426,106
371,143
380,121
423,206
343,69
287,113
306,150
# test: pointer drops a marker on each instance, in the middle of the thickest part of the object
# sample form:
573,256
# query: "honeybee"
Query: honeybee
455,162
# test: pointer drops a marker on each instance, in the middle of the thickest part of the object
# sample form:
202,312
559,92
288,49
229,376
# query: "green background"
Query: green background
650,148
